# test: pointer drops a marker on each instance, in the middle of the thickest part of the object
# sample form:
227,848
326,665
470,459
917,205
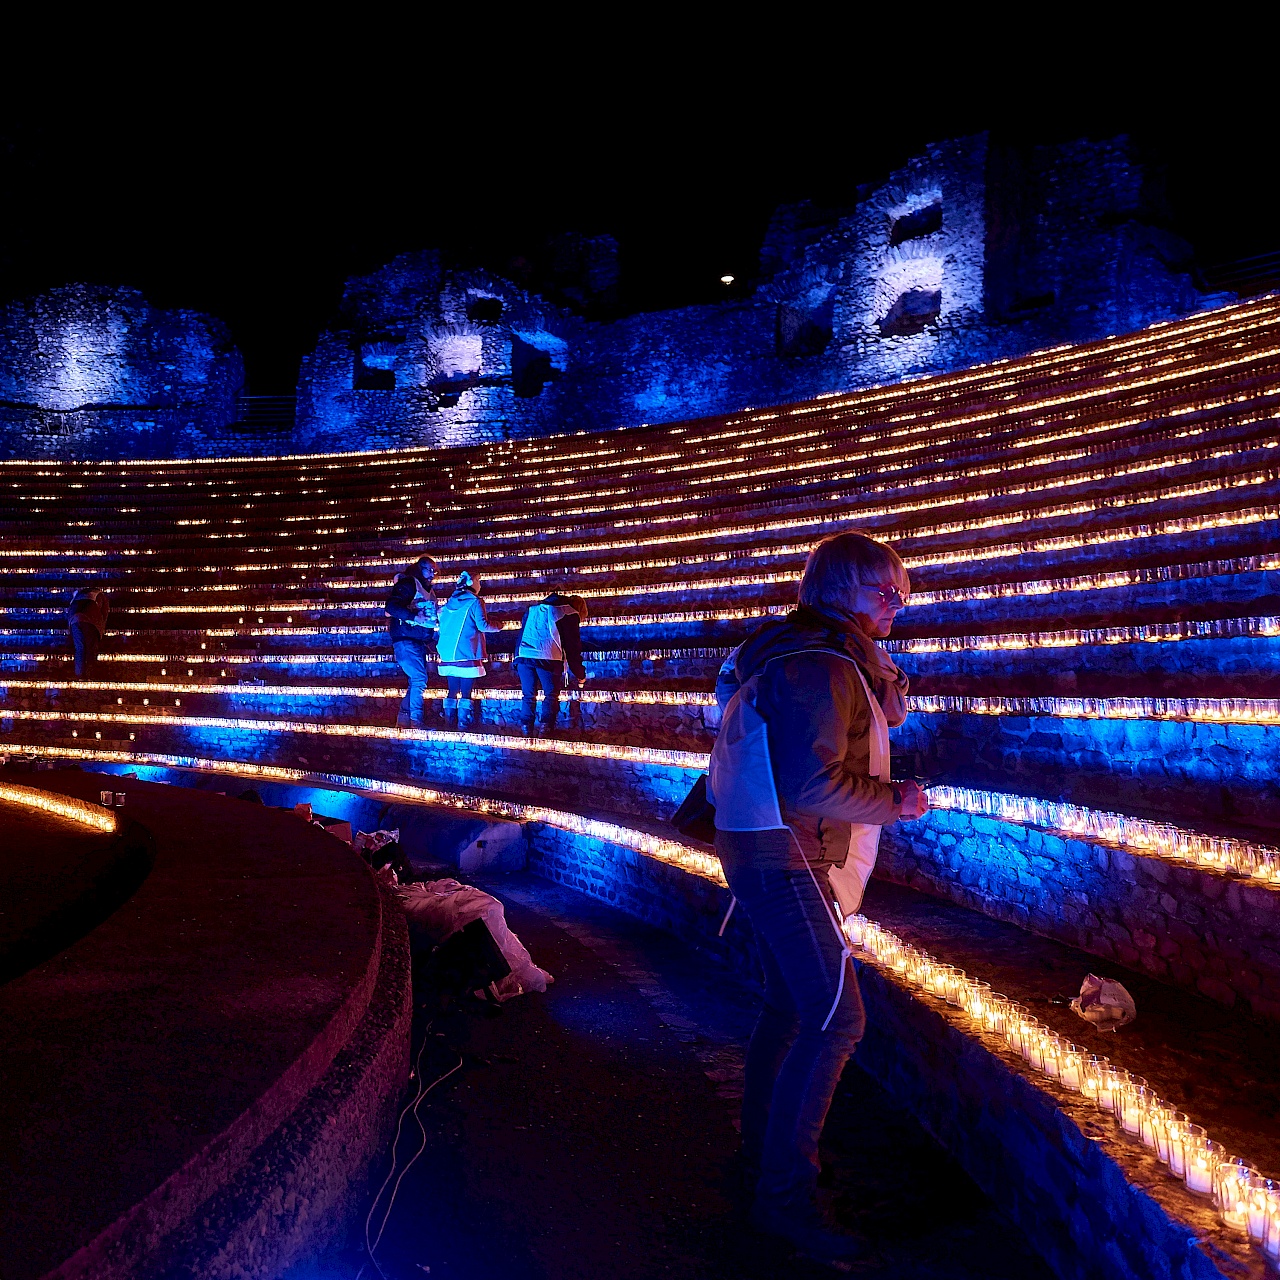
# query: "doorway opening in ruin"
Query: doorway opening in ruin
921,222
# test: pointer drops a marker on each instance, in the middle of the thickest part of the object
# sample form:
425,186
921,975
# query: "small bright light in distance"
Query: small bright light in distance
726,279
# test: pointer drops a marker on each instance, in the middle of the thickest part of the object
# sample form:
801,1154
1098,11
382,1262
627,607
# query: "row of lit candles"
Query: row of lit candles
1247,317
887,509
943,428
1229,518
877,464
334,500
878,459
663,849
1106,579
84,812
940,390
1245,1200
1137,835
872,513
1243,711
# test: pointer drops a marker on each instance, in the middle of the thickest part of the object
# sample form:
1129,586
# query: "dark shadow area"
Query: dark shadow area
59,880
590,1131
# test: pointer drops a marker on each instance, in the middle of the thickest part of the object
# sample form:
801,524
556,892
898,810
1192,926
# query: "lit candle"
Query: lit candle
1230,1191
1091,1076
1050,1053
1261,1195
1071,1065
1202,1156
1135,1102
977,1000
954,989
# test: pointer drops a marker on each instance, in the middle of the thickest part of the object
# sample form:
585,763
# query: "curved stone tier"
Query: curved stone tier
167,1074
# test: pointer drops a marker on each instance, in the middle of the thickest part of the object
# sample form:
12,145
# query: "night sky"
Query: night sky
217,194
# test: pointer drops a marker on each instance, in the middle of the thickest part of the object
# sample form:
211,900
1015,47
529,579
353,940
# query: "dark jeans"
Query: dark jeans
85,638
460,698
411,655
552,682
793,1065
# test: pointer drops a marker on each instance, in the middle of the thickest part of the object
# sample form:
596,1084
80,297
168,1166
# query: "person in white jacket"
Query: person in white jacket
550,638
462,650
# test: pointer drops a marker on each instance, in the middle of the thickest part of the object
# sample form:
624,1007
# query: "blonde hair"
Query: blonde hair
843,562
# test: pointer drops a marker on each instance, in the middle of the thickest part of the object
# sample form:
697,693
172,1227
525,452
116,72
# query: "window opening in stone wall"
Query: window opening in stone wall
1025,303
912,312
922,222
484,310
531,368
374,365
803,331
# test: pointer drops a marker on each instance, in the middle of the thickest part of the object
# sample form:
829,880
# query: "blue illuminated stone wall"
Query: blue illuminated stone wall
971,252
91,371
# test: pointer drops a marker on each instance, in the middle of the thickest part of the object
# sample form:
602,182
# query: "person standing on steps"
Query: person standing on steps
550,639
462,649
800,780
412,609
87,622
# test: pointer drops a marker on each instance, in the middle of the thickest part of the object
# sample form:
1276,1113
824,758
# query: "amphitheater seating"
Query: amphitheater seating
1093,637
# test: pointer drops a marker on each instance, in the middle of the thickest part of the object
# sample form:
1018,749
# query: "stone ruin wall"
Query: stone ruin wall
94,371
971,252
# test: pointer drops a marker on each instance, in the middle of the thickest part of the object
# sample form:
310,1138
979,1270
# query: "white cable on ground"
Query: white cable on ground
412,1107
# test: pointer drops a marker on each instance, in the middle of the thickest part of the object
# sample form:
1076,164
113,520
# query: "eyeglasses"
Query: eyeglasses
891,595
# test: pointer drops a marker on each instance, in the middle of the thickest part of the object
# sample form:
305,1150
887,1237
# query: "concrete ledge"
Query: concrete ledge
1209,931
305,1185
258,964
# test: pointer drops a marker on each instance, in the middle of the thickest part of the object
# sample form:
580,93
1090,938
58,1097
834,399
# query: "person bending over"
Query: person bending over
800,780
86,621
549,638
462,649
411,607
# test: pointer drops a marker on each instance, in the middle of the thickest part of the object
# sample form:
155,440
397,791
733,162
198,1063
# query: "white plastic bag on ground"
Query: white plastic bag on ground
1105,1003
437,909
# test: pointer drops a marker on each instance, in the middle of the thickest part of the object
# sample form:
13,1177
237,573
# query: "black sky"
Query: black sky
253,195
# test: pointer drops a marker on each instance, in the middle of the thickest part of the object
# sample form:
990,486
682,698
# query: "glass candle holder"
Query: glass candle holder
1051,1055
1181,1134
1033,1048
936,980
1271,1245
1203,1156
954,980
1113,1079
977,998
1153,1121
996,1016
1230,1185
1071,1065
855,928
1132,1104
1261,1195
1091,1075
1020,1031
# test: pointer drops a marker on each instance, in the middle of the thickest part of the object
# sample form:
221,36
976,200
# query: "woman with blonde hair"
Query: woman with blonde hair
800,781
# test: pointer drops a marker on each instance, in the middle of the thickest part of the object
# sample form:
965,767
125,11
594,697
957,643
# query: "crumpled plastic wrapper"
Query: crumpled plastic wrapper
1105,1003
372,841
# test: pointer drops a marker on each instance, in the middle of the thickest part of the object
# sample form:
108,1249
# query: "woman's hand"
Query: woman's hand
915,804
